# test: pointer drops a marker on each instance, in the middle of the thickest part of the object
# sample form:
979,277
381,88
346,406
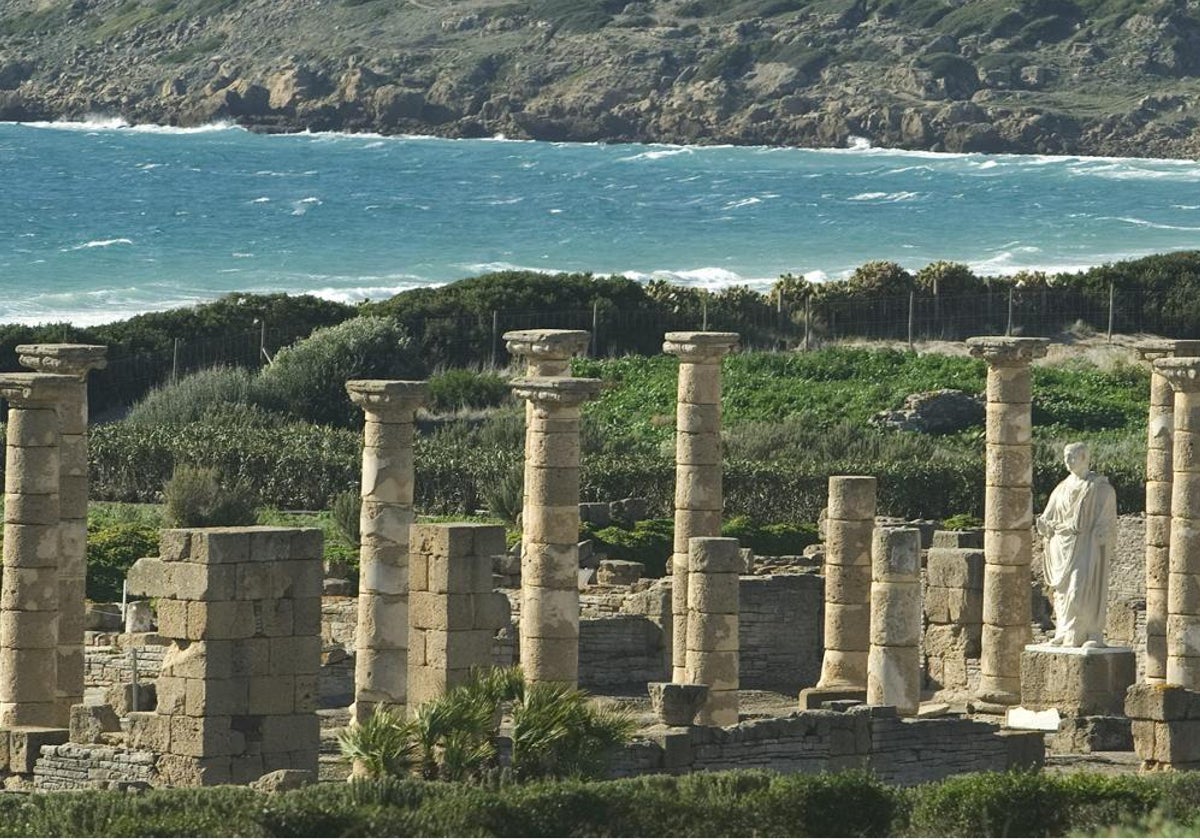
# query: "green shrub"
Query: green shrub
650,542
195,397
457,389
308,379
506,499
775,540
199,497
111,550
346,509
962,522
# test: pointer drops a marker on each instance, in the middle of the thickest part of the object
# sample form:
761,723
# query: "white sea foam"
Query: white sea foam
658,154
742,202
100,243
885,197
102,123
262,199
299,208
708,277
1152,225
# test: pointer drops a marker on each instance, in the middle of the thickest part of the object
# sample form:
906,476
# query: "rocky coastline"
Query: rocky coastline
646,72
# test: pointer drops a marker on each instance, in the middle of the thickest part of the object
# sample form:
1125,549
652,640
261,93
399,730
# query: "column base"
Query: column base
816,698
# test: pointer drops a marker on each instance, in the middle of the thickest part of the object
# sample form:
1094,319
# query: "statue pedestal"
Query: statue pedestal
1078,682
1086,687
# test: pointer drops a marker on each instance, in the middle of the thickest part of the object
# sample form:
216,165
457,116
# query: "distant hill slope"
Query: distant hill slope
1118,77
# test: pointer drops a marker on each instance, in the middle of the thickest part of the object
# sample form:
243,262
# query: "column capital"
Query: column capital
1182,372
1007,351
550,390
70,359
1164,348
700,346
390,397
36,390
547,345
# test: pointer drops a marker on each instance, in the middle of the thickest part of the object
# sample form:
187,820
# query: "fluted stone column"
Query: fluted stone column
546,353
1159,452
550,528
1183,588
381,640
75,360
1007,513
712,654
29,601
698,494
849,522
894,664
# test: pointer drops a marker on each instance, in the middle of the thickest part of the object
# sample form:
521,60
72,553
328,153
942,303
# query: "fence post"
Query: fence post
912,296
1008,329
495,332
175,362
595,328
704,312
807,319
1111,300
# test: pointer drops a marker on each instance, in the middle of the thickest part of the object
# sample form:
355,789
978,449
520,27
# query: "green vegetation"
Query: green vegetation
744,804
555,732
200,497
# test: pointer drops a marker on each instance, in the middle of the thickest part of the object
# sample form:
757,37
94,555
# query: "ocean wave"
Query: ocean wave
1146,223
885,197
742,202
658,154
708,277
101,123
299,208
100,243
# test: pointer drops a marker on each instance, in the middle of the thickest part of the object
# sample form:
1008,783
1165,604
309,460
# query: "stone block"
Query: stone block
715,593
894,678
896,614
1145,701
90,721
955,568
458,650
271,695
201,737
295,655
25,745
189,771
676,704
199,660
619,572
953,606
204,698
852,497
1079,682
218,620
712,632
149,731
1092,734
220,545
958,539
848,543
847,584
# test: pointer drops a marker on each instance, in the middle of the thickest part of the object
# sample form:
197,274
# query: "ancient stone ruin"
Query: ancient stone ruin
905,643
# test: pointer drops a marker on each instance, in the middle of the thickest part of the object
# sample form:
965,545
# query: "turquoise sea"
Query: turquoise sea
100,220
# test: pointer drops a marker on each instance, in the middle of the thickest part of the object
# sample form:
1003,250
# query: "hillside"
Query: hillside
1119,77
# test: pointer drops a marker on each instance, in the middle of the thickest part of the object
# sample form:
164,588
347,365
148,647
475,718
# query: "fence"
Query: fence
477,339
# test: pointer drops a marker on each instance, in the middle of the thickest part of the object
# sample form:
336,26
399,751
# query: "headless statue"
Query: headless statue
1079,527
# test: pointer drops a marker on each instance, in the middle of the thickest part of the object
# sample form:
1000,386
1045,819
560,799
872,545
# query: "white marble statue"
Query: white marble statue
1079,526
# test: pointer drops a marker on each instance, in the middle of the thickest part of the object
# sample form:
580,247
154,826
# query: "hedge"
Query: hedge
739,803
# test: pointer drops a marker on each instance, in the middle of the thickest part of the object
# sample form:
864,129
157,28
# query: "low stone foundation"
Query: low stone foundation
898,750
84,766
1166,726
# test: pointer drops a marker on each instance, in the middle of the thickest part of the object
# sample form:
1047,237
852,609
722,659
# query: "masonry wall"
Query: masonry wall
898,751
83,766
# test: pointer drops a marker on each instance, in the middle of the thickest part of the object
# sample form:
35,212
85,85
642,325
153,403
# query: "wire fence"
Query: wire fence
477,339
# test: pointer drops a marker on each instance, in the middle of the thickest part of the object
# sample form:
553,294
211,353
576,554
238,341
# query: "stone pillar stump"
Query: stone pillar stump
698,493
74,360
894,662
849,523
712,655
1008,513
550,528
381,640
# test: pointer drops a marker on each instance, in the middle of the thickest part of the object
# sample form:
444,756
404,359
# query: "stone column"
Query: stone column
453,612
75,360
546,353
698,494
29,602
894,665
1159,449
1007,513
550,528
848,525
381,641
712,654
1183,588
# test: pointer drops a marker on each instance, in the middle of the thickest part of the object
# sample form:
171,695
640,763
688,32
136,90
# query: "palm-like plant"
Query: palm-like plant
557,732
383,745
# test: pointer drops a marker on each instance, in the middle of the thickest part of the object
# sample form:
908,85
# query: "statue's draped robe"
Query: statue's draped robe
1080,524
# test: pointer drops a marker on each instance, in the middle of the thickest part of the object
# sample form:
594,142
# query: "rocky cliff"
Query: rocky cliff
1104,77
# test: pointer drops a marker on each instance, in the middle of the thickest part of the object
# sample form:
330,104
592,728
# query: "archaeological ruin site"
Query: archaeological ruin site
894,647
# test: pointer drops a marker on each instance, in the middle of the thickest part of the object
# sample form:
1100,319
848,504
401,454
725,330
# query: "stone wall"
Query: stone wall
81,766
898,751
781,626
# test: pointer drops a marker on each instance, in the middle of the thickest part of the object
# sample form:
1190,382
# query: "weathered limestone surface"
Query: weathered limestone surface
381,644
1166,725
550,521
29,603
74,360
1078,682
236,696
849,524
1183,587
953,605
453,611
699,497
547,352
712,635
1159,453
894,662
1008,512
